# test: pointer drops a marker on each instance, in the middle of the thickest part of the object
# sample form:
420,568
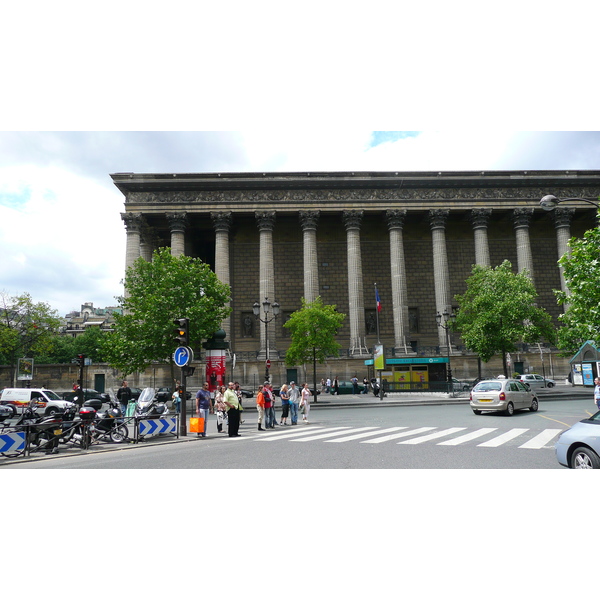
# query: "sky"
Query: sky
61,235
232,86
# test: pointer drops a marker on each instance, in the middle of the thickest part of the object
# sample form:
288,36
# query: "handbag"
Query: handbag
196,425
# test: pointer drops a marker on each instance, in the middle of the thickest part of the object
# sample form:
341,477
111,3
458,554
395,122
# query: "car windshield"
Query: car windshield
595,417
488,386
52,395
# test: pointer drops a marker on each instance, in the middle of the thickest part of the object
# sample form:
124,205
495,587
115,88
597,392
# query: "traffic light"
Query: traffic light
182,333
81,360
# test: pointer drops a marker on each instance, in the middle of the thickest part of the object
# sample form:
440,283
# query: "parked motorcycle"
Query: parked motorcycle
110,423
149,407
43,431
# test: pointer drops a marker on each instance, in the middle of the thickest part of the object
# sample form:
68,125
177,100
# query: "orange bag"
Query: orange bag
196,425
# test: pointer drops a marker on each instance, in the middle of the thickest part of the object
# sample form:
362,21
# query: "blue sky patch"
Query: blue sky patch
379,137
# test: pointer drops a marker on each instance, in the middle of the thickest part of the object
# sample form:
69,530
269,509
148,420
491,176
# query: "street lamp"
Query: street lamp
444,321
550,202
267,310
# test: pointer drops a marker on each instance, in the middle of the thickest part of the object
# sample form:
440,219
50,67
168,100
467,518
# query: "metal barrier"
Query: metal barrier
149,427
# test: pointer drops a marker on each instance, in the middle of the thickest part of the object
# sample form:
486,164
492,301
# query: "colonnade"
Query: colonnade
139,242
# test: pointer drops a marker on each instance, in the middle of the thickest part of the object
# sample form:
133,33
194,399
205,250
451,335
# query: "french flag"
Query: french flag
377,300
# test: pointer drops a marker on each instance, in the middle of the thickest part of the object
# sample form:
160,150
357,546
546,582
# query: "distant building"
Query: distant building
77,322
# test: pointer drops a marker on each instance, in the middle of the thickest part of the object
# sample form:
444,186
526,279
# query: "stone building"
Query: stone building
416,235
78,322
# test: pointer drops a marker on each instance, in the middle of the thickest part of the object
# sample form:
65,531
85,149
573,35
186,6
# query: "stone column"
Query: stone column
309,219
147,243
562,222
395,222
441,274
480,218
222,224
522,218
265,221
352,220
177,223
133,225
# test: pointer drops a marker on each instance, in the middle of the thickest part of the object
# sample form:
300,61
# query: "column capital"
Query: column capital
177,221
395,218
352,218
562,216
133,222
222,220
480,217
438,218
522,217
309,219
265,220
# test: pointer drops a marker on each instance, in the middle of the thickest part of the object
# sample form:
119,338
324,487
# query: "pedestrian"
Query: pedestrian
124,396
176,400
336,386
204,406
220,409
354,381
260,406
305,402
238,391
365,385
328,384
233,410
268,401
285,404
597,392
294,396
323,386
270,418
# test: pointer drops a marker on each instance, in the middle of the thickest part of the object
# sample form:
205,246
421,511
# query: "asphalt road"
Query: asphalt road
379,437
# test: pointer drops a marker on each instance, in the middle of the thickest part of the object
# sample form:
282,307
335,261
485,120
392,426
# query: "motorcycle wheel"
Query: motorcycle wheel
119,434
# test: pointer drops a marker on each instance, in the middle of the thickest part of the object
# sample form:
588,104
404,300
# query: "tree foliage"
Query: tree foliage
498,310
313,329
157,292
27,328
581,266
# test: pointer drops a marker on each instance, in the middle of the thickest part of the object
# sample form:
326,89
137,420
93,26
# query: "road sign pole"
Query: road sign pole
183,415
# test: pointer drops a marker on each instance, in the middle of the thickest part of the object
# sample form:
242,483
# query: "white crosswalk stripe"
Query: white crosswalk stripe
502,439
283,435
326,435
433,436
395,436
468,437
358,436
540,440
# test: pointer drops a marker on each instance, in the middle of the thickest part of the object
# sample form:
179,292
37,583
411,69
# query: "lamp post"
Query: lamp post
267,311
444,321
550,202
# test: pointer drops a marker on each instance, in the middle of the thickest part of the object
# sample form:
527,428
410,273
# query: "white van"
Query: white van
18,398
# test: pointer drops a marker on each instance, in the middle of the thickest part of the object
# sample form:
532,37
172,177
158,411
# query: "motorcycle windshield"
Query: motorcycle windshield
146,397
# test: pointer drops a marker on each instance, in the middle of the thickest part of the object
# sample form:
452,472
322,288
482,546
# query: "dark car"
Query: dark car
164,394
87,395
346,387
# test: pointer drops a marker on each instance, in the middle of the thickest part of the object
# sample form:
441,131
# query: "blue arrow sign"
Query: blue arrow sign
156,426
183,355
12,442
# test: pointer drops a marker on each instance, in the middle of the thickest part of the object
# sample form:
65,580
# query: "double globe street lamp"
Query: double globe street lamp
267,311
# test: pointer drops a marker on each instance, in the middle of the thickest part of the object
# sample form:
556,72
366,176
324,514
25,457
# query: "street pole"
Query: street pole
266,309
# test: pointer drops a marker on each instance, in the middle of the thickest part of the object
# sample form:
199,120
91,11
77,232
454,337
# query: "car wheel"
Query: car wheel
510,409
52,410
534,405
584,458
549,385
477,412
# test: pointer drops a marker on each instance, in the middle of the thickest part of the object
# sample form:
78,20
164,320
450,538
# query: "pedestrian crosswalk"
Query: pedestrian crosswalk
485,437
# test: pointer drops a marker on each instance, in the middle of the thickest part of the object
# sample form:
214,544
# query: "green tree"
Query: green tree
157,292
64,348
581,266
498,310
27,329
313,329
